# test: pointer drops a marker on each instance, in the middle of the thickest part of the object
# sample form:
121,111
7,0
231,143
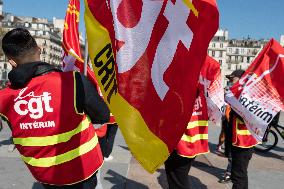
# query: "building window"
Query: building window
229,66
220,61
4,75
248,59
221,45
230,50
220,53
237,51
213,44
213,53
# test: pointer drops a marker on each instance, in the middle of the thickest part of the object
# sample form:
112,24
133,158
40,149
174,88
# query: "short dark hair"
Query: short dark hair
18,42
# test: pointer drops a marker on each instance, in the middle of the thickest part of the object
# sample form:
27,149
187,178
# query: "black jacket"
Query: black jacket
88,99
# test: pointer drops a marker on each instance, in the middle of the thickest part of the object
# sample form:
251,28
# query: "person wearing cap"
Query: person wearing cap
239,142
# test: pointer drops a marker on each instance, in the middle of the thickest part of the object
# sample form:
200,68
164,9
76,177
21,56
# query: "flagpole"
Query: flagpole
86,56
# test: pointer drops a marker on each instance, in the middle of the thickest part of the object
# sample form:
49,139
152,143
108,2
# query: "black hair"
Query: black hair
18,42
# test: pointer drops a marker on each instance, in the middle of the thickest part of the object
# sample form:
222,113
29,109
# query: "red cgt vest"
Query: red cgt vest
195,139
242,137
58,144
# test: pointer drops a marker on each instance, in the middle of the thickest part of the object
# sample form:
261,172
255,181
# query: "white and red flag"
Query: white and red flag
210,78
147,56
259,95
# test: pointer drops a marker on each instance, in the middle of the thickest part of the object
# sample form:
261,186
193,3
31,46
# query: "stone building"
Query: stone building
233,54
240,53
218,49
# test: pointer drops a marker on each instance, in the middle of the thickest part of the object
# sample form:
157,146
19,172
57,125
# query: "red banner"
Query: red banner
72,58
210,78
259,95
147,56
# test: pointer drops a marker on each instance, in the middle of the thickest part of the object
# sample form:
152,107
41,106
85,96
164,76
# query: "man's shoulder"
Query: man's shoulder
4,91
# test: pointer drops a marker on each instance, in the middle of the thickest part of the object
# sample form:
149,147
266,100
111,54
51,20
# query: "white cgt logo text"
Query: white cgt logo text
34,106
136,39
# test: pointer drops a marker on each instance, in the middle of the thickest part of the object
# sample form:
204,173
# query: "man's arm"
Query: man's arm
94,104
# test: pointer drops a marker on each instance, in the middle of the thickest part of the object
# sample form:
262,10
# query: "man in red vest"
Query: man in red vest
194,142
240,142
51,114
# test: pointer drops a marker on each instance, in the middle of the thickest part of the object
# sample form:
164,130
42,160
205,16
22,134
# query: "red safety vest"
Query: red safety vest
195,139
58,144
242,137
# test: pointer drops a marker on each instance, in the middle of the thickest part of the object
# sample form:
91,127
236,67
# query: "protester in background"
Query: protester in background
1,124
50,113
221,140
194,142
226,177
106,137
109,140
241,142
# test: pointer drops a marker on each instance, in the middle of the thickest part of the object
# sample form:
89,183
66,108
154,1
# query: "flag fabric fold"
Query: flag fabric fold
210,78
147,56
259,95
71,44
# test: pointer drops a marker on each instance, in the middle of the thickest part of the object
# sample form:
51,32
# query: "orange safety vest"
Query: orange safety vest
242,137
195,139
56,141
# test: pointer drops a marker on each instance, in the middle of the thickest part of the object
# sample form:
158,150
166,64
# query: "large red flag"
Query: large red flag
147,56
259,95
210,78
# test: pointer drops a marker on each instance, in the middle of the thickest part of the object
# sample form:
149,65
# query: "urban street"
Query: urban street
124,172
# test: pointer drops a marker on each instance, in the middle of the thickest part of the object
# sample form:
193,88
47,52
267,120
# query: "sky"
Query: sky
242,18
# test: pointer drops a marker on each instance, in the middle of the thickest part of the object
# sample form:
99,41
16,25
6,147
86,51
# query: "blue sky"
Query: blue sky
242,18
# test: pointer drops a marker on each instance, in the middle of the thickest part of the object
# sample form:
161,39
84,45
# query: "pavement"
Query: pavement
266,170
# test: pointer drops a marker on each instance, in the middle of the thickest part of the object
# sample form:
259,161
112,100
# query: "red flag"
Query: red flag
72,58
147,56
259,95
210,78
